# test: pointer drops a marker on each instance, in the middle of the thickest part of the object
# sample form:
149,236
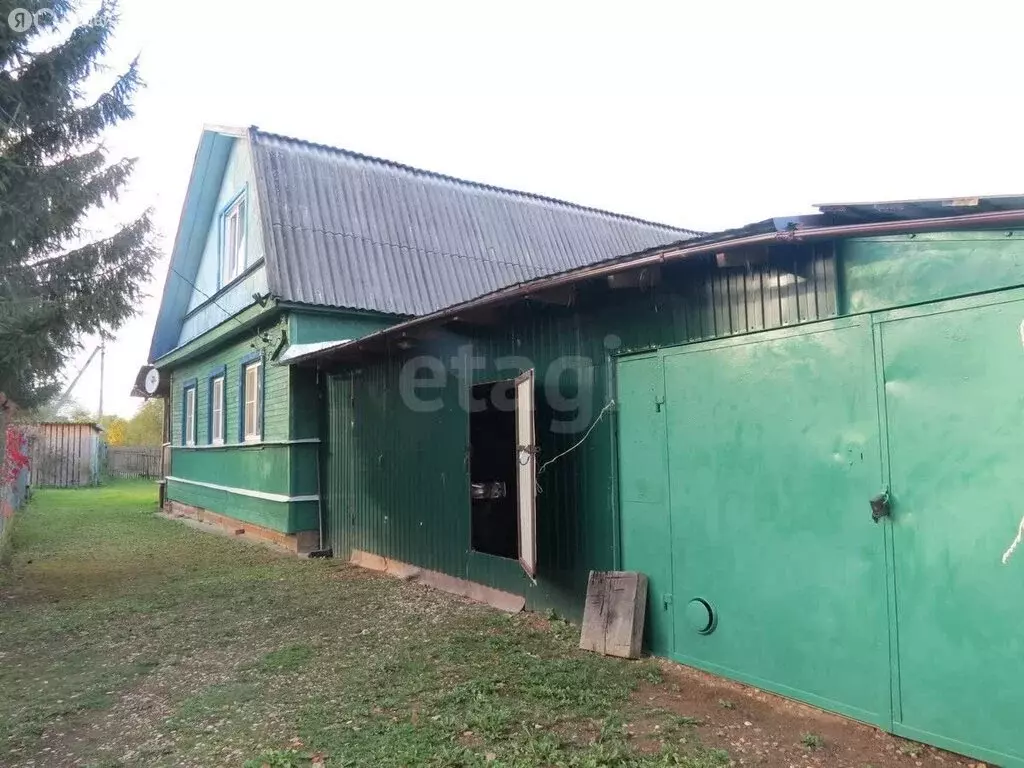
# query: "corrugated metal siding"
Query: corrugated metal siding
398,480
347,230
384,486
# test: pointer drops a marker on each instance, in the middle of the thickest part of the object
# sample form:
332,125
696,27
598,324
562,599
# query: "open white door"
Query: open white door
526,456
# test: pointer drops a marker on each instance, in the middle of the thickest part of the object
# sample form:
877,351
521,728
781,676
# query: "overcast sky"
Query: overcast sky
699,114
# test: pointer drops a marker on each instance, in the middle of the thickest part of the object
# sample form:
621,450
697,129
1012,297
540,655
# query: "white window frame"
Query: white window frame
217,411
252,397
233,245
189,438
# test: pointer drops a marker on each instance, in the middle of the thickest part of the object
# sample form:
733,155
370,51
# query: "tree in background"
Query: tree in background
57,282
115,430
146,427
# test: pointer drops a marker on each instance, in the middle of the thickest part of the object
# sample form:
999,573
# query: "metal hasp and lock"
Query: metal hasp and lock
880,506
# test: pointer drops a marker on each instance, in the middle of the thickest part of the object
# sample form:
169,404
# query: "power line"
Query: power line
208,296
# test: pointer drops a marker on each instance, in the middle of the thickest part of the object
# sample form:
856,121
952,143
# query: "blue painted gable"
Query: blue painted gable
199,215
238,179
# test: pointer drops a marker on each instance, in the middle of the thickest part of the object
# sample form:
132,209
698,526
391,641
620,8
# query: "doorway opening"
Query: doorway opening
493,486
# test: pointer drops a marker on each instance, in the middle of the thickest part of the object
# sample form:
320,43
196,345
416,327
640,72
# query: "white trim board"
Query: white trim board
246,491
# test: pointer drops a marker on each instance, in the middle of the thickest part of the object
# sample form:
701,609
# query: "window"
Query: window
252,401
217,410
232,258
189,420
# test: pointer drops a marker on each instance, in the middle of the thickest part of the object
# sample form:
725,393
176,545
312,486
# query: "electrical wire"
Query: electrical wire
549,462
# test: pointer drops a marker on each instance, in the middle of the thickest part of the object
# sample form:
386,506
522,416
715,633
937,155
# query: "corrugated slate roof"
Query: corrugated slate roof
348,230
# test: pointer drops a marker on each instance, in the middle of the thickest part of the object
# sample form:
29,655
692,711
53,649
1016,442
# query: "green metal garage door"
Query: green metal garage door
646,527
954,394
774,449
746,471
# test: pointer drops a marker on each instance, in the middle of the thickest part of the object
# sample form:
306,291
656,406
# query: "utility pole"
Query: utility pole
103,352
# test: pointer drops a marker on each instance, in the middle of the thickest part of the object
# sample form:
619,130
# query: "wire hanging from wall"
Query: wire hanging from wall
1016,542
610,404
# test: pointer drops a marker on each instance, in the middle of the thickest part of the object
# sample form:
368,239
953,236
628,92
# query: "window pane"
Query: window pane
217,410
233,256
240,237
252,400
190,416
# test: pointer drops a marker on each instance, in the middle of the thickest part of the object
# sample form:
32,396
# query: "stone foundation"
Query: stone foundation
300,543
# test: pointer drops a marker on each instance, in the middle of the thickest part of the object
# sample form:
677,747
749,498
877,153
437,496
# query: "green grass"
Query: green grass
812,741
126,639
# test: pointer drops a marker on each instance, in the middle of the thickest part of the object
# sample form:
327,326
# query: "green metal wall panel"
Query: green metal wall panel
398,480
310,326
774,447
884,272
286,517
643,474
953,395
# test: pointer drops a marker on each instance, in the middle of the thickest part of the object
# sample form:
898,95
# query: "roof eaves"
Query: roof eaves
799,229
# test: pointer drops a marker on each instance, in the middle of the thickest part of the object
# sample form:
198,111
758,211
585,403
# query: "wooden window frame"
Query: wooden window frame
237,209
213,422
188,412
254,360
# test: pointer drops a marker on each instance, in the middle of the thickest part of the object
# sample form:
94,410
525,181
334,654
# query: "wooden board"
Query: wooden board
613,618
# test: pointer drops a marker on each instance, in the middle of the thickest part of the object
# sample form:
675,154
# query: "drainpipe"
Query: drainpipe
320,550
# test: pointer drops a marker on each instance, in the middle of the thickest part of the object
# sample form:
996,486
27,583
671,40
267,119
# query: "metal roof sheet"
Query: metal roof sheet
937,208
348,230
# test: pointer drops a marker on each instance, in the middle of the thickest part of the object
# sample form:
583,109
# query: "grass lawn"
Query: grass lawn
127,639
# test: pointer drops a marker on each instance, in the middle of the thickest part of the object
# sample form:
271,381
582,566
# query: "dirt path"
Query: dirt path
761,729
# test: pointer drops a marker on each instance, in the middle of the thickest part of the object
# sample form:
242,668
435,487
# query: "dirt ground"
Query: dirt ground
761,729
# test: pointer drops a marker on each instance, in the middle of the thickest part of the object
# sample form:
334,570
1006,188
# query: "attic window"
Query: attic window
232,258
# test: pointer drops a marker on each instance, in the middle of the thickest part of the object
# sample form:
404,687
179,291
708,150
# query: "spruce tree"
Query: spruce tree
58,280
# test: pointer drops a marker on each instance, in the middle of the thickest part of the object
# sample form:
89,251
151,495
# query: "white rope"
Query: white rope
604,410
1016,542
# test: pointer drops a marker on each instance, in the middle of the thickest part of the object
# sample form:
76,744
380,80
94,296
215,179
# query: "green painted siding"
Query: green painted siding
289,470
883,272
249,320
310,326
283,469
306,327
276,390
286,517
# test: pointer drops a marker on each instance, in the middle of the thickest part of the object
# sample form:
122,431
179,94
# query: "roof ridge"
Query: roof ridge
257,133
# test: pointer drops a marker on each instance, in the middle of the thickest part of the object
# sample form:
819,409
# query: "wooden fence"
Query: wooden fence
65,454
133,461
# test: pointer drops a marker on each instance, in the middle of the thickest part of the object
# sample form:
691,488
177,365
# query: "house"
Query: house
284,247
805,431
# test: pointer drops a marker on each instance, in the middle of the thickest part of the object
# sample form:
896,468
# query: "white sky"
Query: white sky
700,114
